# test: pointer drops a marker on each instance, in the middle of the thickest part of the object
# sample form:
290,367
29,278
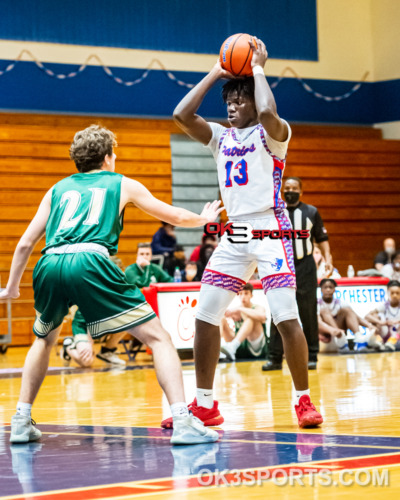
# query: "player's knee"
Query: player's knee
46,342
248,321
157,335
213,302
282,304
325,314
346,310
290,327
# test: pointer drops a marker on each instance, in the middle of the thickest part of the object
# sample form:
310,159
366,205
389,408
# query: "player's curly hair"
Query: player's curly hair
243,86
328,280
90,146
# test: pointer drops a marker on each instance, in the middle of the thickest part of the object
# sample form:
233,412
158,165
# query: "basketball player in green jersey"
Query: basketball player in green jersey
82,219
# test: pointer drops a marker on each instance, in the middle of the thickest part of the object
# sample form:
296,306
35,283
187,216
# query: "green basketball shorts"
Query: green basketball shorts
95,284
246,350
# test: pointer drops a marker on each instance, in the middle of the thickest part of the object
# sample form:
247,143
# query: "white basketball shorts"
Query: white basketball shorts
232,264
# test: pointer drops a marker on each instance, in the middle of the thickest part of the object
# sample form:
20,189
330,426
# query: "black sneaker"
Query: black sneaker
271,365
312,365
68,342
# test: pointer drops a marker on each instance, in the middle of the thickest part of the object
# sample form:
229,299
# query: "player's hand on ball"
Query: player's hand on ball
211,211
221,72
9,294
260,54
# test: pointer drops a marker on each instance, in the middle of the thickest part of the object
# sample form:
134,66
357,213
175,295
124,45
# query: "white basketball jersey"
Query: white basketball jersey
249,173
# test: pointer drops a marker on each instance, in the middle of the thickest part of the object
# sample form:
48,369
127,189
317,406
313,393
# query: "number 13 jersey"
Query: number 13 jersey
250,166
85,209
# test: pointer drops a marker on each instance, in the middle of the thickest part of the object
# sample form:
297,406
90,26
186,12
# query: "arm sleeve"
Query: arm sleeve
277,148
318,230
217,131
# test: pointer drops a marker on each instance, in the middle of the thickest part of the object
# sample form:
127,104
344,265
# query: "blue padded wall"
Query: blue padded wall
288,27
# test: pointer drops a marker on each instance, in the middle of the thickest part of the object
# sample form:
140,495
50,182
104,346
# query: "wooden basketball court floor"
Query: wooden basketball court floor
102,439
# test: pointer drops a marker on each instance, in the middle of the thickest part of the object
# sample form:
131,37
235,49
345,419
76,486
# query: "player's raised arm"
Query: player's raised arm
264,98
25,246
185,114
136,193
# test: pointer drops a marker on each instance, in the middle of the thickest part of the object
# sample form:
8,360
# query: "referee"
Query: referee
302,216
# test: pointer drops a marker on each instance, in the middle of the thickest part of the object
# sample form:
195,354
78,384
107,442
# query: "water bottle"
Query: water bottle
350,271
177,275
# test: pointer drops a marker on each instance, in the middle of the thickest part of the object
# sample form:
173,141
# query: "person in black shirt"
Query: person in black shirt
302,216
386,256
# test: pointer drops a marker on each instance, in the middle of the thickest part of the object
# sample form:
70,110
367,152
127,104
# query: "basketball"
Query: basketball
235,54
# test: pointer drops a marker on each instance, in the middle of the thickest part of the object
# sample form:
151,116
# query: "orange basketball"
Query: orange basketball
235,54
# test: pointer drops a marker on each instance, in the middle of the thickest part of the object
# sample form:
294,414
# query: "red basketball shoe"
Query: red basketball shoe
207,416
307,414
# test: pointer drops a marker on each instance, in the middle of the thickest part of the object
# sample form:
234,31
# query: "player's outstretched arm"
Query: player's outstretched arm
134,192
185,114
25,246
265,101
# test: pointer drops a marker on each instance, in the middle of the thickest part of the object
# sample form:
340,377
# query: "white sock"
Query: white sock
235,344
205,398
341,341
179,410
24,409
301,393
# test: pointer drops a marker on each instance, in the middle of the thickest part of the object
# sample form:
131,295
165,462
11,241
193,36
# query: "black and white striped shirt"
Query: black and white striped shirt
304,216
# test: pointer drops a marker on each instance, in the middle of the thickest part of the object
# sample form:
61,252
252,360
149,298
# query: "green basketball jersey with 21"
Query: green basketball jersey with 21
85,209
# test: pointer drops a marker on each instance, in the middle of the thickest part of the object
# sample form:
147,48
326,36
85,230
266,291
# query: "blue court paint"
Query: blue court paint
109,455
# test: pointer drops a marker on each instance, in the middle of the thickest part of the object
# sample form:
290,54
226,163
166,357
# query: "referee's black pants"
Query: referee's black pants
307,304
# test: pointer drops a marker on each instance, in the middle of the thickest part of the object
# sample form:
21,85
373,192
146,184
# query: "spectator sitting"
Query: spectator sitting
392,271
144,272
178,259
249,339
207,239
205,253
386,256
386,316
191,272
80,347
335,317
321,266
164,240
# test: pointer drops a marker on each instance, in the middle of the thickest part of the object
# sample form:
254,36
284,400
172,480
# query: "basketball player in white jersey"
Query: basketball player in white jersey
250,160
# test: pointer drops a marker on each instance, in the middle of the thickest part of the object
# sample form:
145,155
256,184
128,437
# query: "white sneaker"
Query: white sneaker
111,357
23,430
189,459
229,351
344,349
191,430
